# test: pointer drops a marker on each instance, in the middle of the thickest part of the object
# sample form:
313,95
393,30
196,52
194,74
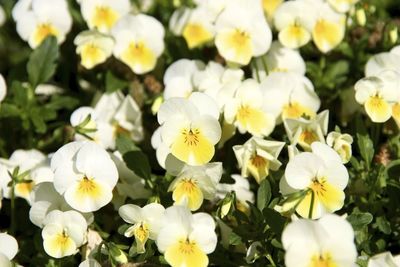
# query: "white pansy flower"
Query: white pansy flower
326,242
146,221
199,28
8,249
278,59
329,28
304,131
247,110
178,78
186,239
139,41
3,88
63,233
294,28
341,143
377,94
257,156
190,128
178,20
242,190
320,176
85,175
38,19
93,47
242,32
195,183
383,61
289,96
384,259
270,7
104,14
89,263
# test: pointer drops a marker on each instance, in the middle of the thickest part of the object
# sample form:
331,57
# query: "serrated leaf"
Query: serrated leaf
360,220
42,62
263,194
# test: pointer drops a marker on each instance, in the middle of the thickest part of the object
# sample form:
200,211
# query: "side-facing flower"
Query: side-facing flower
185,238
195,183
257,156
341,143
384,259
190,128
93,47
139,41
199,28
318,179
146,221
8,249
377,94
63,233
326,242
248,112
85,175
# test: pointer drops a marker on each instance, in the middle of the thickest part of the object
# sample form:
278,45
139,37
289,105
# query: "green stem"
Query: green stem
311,204
12,228
270,259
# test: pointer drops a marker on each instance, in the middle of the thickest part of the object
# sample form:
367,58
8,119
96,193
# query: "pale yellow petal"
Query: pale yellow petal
139,57
186,253
187,189
378,109
327,35
235,46
294,36
196,35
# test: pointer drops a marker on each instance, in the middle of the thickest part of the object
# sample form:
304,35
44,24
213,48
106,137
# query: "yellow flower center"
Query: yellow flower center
258,161
270,6
141,232
322,261
252,119
295,110
327,34
104,17
91,55
188,190
186,253
88,188
139,56
42,31
307,137
191,136
186,247
195,35
24,189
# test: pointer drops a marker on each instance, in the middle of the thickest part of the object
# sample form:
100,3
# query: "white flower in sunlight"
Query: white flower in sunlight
341,143
190,128
199,28
34,167
377,94
342,6
85,175
139,41
247,110
304,131
384,259
45,199
3,88
242,190
242,32
178,20
178,78
63,233
186,239
278,59
93,47
195,183
8,249
146,221
329,28
48,89
257,156
293,26
320,177
38,19
270,7
112,115
326,242
104,14
289,96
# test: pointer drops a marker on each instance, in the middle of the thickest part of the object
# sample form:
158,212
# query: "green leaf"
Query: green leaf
274,220
113,83
21,94
138,162
263,194
337,69
366,148
383,225
234,239
9,110
42,62
124,144
359,220
58,102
